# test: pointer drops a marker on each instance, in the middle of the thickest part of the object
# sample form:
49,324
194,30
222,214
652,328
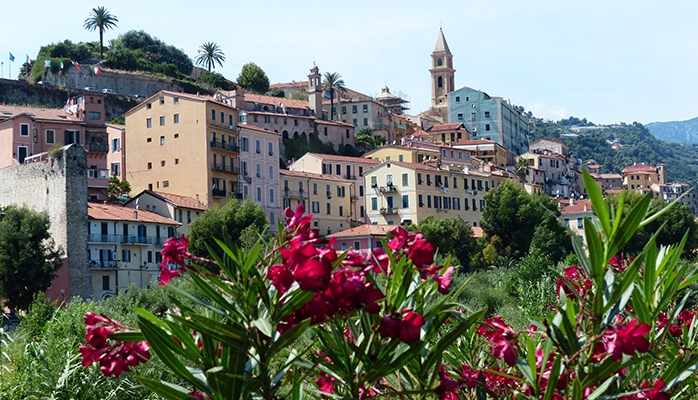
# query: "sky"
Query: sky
608,61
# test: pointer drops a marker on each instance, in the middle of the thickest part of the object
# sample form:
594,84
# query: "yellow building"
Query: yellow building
124,246
184,144
327,197
642,176
404,193
448,133
404,154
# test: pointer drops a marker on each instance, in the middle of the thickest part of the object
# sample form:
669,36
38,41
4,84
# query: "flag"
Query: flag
12,58
77,66
97,70
47,63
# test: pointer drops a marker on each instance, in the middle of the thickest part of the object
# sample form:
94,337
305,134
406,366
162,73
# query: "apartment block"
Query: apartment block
327,197
362,238
351,169
124,247
182,209
184,144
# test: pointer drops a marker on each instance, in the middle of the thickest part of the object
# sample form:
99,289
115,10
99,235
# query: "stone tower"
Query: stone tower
315,91
442,76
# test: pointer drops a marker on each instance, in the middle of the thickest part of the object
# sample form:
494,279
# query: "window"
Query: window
374,181
162,140
149,123
457,99
341,211
176,118
115,145
149,106
421,200
361,171
329,208
176,161
230,121
24,129
404,179
353,110
94,115
271,149
258,170
115,169
460,116
125,255
162,100
316,207
271,196
440,82
175,100
176,135
245,144
354,122
580,223
105,282
365,121
222,117
150,165
374,203
267,119
361,190
162,163
258,147
162,120
50,136
164,184
338,169
567,222
428,180
344,109
428,201
357,246
259,195
487,127
271,172
487,114
482,205
405,201
213,114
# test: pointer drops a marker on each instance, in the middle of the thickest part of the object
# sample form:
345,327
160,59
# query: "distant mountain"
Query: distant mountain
677,131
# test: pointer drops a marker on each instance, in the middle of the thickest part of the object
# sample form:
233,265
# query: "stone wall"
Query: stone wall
59,187
122,82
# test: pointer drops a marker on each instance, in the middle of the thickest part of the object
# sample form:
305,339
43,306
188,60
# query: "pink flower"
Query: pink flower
631,337
389,327
444,280
447,386
280,277
175,251
314,275
410,327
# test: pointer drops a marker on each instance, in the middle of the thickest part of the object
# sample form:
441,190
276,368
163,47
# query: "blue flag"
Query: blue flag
12,58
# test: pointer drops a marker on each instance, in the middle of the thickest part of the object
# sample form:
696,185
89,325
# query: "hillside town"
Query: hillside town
183,153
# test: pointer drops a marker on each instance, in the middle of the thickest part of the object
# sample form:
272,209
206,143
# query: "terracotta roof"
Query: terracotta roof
333,157
417,166
578,206
256,128
299,84
56,114
420,133
640,167
311,175
446,127
334,123
472,142
607,176
364,230
189,96
180,201
548,140
431,113
112,212
477,232
613,191
290,103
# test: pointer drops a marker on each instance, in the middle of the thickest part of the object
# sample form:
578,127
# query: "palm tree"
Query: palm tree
332,83
209,54
100,19
521,168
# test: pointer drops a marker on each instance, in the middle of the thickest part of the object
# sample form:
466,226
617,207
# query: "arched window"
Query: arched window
439,62
440,82
295,135
285,134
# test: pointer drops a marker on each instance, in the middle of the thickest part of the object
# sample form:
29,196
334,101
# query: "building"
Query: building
182,209
327,197
363,238
556,146
116,157
573,215
642,176
124,246
606,182
403,153
185,144
442,77
559,176
348,168
488,151
489,118
672,191
400,193
448,133
27,131
259,170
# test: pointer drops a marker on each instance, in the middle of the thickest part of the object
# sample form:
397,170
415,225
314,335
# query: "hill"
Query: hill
615,147
675,131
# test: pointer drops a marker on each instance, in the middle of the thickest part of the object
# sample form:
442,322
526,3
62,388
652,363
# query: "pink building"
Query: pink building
116,157
363,238
28,131
259,169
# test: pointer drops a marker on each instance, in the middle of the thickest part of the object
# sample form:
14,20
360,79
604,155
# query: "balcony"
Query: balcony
216,166
354,198
301,194
388,211
101,147
218,192
236,195
128,239
225,146
350,177
389,188
103,264
96,238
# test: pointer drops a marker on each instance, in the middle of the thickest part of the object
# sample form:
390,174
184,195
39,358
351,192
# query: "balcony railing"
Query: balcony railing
128,239
102,147
388,188
301,194
96,238
103,264
218,192
388,211
236,195
225,146
350,177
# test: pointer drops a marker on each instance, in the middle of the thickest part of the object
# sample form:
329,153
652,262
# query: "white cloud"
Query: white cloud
545,111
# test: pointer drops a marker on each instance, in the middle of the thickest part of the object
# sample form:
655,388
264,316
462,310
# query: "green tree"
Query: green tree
214,81
451,236
276,92
100,19
521,168
118,188
253,78
238,219
28,256
550,237
209,54
332,82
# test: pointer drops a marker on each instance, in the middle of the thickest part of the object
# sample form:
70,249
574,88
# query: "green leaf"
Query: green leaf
576,390
165,389
129,336
597,201
525,369
629,225
601,389
601,372
554,377
264,326
288,337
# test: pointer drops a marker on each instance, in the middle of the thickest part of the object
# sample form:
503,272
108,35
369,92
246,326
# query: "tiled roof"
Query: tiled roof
420,133
477,232
311,175
56,114
195,97
578,206
290,103
607,176
299,84
363,230
474,142
180,201
548,140
446,127
640,167
333,157
256,128
333,123
112,212
417,166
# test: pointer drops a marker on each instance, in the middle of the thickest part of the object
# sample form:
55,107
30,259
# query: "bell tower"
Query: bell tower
442,76
315,91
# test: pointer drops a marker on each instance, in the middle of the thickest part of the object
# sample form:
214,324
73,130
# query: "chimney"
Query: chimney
585,207
572,201
135,214
198,203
